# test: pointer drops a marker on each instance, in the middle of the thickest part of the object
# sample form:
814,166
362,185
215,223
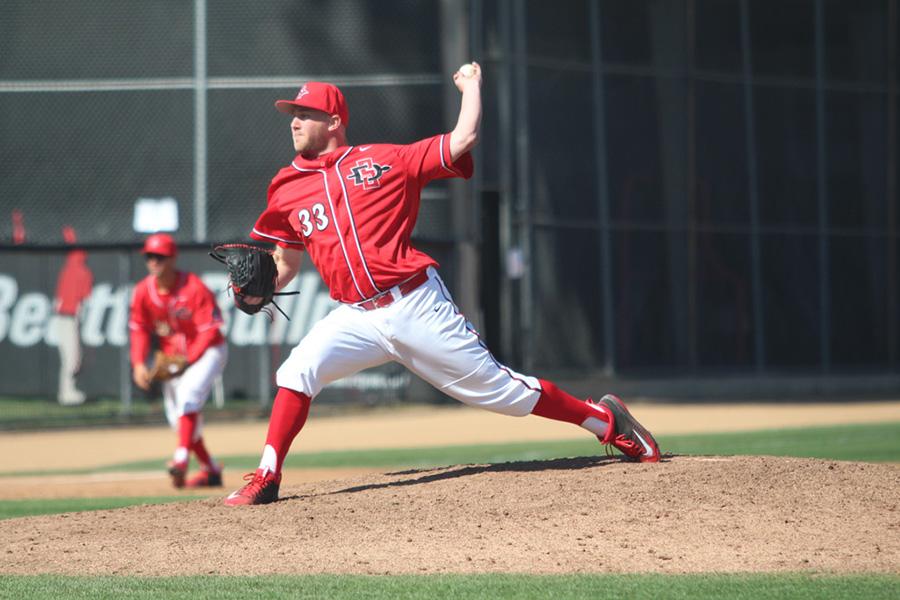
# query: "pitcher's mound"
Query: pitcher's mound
575,515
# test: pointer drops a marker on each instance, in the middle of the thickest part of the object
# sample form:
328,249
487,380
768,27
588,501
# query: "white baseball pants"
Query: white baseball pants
188,392
69,345
425,332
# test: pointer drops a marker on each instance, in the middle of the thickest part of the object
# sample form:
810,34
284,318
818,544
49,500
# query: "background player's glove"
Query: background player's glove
167,366
252,272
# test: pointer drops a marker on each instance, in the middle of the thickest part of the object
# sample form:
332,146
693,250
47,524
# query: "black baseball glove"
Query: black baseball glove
252,272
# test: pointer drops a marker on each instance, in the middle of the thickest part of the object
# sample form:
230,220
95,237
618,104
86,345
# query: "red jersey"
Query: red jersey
74,283
354,210
186,319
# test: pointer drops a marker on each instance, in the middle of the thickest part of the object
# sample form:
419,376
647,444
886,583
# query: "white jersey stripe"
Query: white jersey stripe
272,237
334,221
443,162
362,257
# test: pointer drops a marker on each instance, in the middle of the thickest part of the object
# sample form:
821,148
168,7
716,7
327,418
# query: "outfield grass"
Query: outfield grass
872,443
17,414
869,443
44,412
10,509
458,587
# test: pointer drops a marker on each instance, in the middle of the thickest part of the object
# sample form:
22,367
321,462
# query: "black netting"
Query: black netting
563,167
98,104
568,301
723,173
316,38
84,158
62,40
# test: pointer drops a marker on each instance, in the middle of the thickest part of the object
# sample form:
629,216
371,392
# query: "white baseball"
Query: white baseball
467,70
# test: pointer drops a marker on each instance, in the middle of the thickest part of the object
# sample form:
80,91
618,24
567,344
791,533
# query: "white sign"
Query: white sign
155,214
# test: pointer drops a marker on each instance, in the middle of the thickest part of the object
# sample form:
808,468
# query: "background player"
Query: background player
353,209
176,307
73,287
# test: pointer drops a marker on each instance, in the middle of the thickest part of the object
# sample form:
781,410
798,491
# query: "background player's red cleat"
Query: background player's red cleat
206,478
177,471
262,489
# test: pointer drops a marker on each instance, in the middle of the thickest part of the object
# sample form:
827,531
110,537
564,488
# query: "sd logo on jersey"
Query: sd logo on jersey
366,173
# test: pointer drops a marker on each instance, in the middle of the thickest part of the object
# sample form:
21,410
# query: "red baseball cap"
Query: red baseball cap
69,234
318,96
160,243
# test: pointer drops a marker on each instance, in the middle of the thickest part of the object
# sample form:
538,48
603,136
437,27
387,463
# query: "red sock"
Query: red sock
187,425
199,450
558,405
289,412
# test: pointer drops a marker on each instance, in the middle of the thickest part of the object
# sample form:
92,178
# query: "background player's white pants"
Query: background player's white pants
188,393
69,359
425,332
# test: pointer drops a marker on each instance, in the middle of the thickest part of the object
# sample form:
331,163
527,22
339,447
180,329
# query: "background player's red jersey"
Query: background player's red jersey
186,320
74,283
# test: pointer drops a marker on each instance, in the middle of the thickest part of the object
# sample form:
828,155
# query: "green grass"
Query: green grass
458,587
872,443
878,442
46,413
43,412
10,509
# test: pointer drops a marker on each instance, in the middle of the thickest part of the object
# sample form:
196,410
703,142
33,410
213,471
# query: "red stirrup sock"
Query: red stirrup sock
203,457
558,405
187,426
289,412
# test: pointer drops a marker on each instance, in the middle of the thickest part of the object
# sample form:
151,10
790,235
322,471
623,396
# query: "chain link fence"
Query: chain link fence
664,188
105,103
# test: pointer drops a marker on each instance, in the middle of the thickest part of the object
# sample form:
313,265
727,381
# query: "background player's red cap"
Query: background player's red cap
69,234
318,96
160,243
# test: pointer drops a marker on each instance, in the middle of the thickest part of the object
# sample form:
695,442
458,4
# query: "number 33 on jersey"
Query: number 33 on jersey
307,217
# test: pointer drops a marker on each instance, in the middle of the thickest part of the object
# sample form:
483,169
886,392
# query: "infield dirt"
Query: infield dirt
583,515
574,515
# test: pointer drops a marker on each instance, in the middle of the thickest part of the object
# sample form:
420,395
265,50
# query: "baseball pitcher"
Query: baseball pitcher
352,209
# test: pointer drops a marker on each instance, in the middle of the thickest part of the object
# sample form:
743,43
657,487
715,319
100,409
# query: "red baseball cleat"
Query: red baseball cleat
262,489
177,471
206,478
624,433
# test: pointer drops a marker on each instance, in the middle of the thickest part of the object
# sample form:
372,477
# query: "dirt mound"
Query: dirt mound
580,515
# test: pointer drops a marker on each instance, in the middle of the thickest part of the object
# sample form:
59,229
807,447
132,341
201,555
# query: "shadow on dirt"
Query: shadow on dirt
456,471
